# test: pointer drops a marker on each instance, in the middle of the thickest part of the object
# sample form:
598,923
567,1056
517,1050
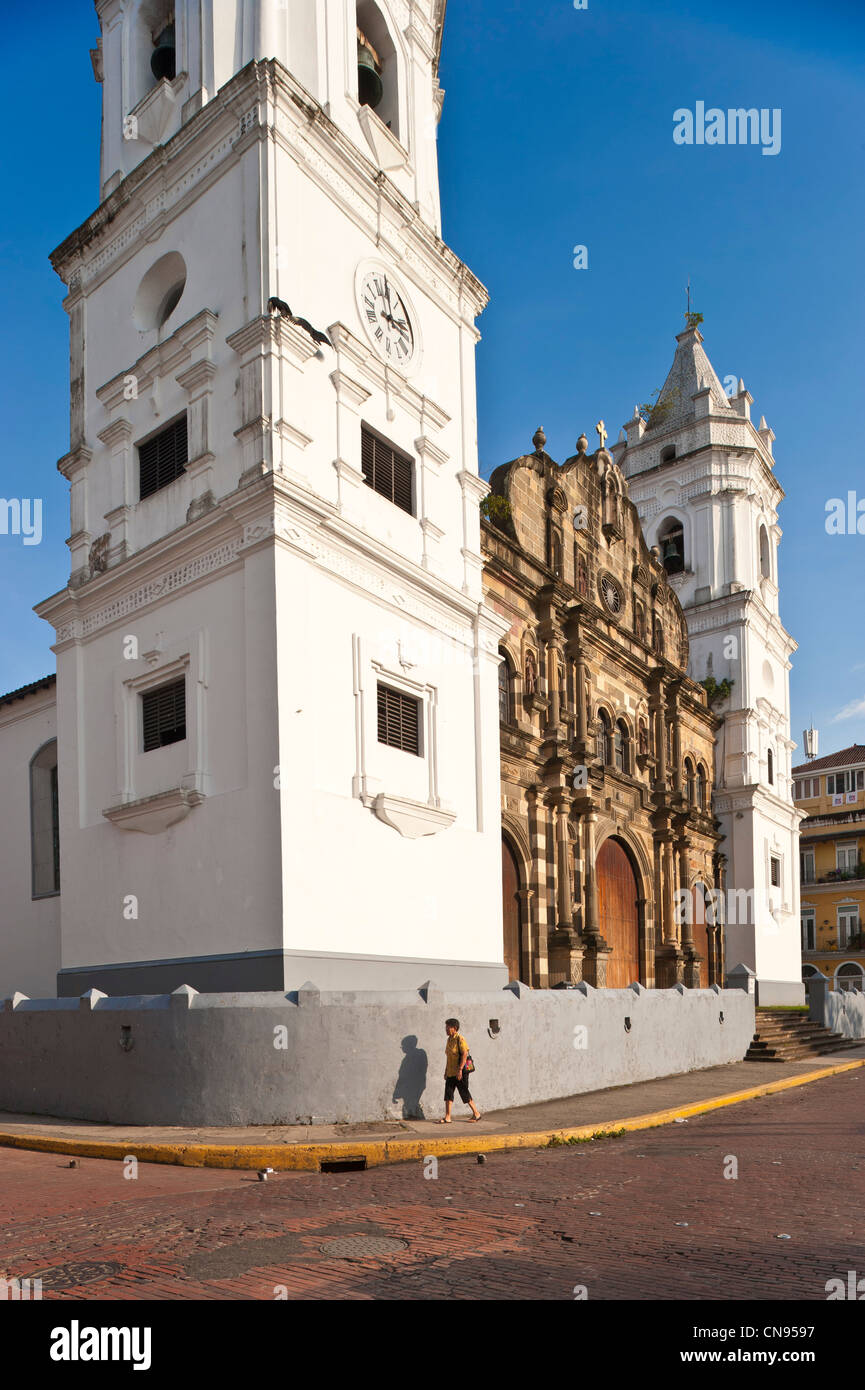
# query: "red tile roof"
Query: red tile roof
848,757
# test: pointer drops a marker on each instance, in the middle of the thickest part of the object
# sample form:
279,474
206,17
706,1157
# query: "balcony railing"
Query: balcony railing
835,875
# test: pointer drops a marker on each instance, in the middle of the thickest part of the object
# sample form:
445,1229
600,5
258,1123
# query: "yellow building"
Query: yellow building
831,792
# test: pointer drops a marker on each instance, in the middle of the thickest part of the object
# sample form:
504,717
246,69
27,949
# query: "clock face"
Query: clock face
386,318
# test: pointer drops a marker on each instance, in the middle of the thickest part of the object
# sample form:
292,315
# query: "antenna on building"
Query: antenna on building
810,738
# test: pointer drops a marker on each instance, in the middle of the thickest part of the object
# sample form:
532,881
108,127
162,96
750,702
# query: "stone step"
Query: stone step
793,1044
798,1035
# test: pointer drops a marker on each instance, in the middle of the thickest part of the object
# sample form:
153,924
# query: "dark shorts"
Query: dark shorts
451,1085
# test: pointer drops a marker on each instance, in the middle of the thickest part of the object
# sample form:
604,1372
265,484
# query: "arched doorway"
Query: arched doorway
850,976
702,929
618,913
513,940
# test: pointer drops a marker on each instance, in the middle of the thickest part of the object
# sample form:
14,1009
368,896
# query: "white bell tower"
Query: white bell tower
277,680
702,476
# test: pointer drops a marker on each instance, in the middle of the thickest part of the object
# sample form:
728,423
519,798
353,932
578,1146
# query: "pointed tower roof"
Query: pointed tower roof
690,373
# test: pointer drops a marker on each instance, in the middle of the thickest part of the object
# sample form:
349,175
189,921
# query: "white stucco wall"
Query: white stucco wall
29,927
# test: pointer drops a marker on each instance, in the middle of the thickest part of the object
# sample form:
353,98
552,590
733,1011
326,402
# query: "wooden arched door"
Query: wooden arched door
511,912
702,918
618,914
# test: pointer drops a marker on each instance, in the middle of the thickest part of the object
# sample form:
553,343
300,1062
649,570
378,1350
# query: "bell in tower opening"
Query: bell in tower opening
163,60
671,540
370,88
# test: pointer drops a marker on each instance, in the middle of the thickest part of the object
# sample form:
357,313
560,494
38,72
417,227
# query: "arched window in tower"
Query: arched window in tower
658,637
668,453
45,822
671,542
506,687
765,561
605,739
701,787
377,66
690,782
770,767
621,747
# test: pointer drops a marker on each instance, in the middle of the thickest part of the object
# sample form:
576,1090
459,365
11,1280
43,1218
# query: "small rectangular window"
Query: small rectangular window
775,866
162,458
386,470
163,715
398,720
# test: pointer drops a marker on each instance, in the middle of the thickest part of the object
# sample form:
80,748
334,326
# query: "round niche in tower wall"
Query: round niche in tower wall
159,292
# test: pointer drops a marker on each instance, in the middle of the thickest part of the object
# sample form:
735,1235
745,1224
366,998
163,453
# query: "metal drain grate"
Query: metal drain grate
356,1247
70,1276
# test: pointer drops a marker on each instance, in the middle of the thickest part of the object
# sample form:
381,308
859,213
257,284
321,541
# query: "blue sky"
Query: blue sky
557,131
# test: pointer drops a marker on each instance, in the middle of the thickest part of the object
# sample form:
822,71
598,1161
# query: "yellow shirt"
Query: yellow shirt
456,1046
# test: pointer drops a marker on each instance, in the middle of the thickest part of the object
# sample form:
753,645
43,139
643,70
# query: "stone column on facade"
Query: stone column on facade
685,914
688,901
529,951
590,927
537,817
581,699
657,711
564,898
677,747
670,934
596,952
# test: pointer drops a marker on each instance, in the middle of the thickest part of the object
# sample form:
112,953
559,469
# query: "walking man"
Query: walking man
457,1068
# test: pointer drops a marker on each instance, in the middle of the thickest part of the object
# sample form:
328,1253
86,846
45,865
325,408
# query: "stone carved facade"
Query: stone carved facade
607,746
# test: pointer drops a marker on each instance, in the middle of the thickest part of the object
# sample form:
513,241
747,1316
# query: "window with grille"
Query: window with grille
162,458
386,471
163,715
398,720
775,871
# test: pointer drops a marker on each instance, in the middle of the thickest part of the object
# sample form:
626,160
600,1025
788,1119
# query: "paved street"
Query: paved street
648,1215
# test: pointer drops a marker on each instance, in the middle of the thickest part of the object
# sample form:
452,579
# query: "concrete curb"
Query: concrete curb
310,1157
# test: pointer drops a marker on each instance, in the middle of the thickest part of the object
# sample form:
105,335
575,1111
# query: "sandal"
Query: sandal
475,1118
445,1122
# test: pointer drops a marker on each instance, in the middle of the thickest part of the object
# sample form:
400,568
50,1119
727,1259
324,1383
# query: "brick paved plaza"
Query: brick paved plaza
646,1216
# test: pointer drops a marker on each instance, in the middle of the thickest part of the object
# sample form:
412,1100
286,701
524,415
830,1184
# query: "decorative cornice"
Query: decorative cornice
70,465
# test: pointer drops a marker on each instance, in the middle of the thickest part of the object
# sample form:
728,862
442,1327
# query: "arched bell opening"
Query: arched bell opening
377,66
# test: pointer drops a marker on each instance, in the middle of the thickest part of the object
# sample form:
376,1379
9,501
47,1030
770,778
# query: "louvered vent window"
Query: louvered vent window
163,715
163,458
386,470
398,720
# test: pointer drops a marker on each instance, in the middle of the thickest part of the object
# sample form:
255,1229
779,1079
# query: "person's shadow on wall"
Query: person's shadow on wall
411,1081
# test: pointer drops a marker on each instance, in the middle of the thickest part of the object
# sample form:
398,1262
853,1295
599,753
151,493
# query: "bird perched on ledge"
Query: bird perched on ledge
279,306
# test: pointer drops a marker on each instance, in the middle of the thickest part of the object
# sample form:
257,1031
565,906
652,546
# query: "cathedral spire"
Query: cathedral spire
691,374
